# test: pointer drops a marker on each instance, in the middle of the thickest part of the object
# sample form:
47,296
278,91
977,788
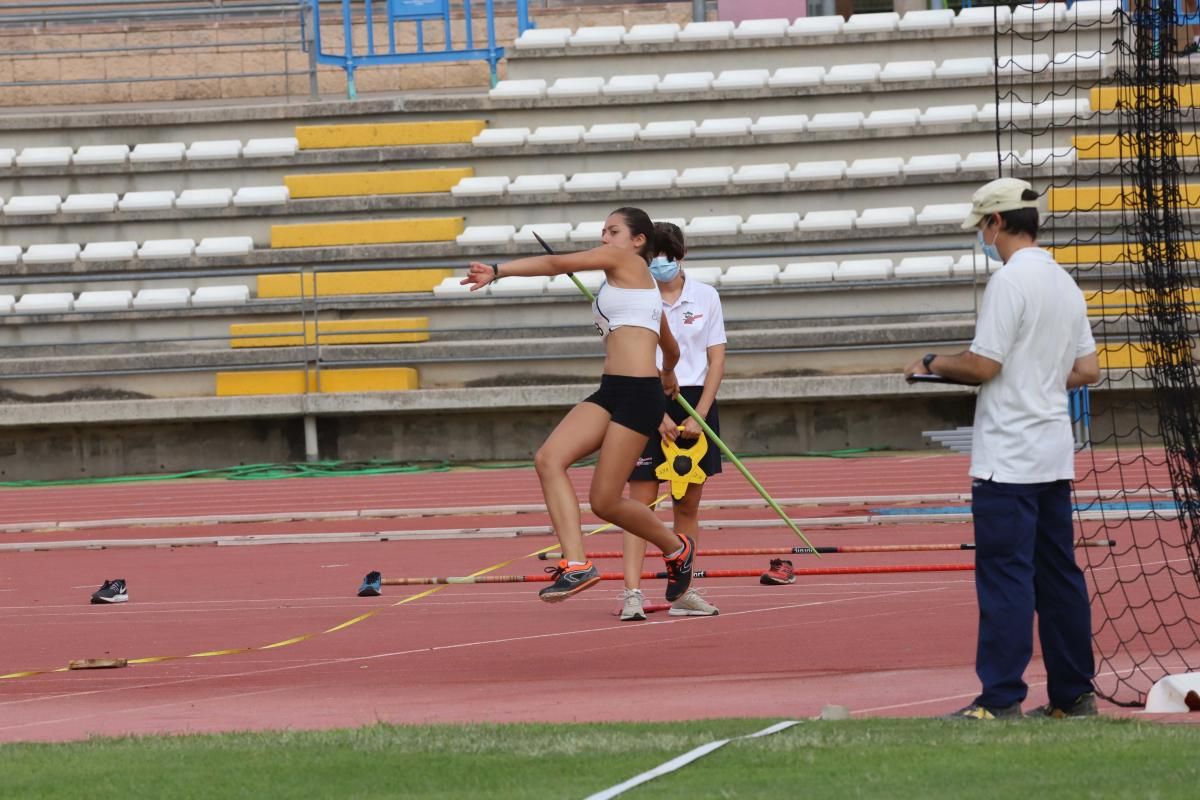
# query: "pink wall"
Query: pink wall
738,10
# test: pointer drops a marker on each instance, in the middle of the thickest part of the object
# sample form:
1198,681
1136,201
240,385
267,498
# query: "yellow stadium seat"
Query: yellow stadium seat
379,379
384,231
1111,198
1186,145
1114,302
293,333
388,134
1115,253
349,184
1136,355
1106,98
331,284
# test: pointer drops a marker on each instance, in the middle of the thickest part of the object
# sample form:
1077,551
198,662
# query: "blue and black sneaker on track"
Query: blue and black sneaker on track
679,569
569,580
372,585
113,591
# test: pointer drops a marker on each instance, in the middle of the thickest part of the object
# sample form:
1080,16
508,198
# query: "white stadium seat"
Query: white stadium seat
927,20
726,225
7,301
817,26
587,232
925,267
576,87
89,204
882,22
944,115
221,296
818,171
1023,64
166,248
10,254
795,77
975,264
866,269
452,287
1063,108
224,246
113,300
836,121
875,167
520,285
1038,13
787,123
486,235
45,303
784,222
844,74
501,137
204,198
549,231
1040,156
762,29
282,147
761,173
537,184
685,82
706,31
808,272
538,38
109,251
667,129
630,84
983,16
91,154
7,156
148,299
45,157
709,275
837,220
965,68
213,150
529,88
750,275
32,205
725,126
892,118
597,36
1085,11
261,196
593,182
741,79
480,186
889,217
613,132
146,201
704,176
661,33
899,71
556,134
50,253
944,214
934,164
1085,61
983,160
649,179
157,152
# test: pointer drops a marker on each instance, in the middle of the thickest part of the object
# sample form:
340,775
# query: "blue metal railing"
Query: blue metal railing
363,16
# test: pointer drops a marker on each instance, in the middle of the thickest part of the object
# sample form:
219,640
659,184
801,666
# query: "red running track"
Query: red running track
881,645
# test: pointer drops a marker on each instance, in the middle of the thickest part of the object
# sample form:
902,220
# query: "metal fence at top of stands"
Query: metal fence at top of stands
231,25
432,19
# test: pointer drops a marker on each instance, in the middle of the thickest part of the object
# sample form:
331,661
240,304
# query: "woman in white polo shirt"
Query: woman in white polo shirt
694,315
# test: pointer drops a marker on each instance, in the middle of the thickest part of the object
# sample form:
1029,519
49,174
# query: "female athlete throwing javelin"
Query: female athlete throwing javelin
622,415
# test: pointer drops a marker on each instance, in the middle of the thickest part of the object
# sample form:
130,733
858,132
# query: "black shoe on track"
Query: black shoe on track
568,581
679,569
113,591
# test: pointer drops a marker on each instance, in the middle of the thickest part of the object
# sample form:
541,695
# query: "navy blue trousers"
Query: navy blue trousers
1025,562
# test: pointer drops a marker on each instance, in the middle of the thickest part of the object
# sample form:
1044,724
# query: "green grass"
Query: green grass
1104,758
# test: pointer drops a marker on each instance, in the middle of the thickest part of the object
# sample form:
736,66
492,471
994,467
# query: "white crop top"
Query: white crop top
615,308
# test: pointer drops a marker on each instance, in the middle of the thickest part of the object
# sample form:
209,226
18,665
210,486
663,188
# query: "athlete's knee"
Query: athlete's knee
546,461
605,504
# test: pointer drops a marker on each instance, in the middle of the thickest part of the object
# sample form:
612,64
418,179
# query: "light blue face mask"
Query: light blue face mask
989,250
664,269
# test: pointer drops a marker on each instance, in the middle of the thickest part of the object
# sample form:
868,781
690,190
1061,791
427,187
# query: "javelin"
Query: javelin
797,551
737,462
700,573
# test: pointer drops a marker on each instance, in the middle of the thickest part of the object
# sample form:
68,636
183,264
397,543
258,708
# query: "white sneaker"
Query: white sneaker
693,604
631,605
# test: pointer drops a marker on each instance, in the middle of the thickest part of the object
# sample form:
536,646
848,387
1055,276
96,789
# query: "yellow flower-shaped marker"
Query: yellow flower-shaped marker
682,466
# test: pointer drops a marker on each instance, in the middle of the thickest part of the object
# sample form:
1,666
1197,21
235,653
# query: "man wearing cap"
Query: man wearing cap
1032,343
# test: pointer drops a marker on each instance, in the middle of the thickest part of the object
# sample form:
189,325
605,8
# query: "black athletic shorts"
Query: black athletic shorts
636,403
652,456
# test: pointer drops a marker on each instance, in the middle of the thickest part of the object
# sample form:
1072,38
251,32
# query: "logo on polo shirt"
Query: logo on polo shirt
689,317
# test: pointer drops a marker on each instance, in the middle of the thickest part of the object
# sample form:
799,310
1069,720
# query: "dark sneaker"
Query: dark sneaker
779,573
372,585
568,581
113,591
976,712
1084,706
679,569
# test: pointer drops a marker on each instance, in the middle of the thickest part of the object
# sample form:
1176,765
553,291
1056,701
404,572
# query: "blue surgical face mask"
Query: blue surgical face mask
989,250
664,269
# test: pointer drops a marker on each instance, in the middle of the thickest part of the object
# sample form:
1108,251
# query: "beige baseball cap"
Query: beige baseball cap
1002,194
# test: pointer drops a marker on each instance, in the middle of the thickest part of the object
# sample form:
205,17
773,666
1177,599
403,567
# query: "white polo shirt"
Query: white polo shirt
698,323
1033,320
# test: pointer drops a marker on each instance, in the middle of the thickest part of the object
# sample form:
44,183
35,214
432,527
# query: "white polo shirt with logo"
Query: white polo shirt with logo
1033,320
698,323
